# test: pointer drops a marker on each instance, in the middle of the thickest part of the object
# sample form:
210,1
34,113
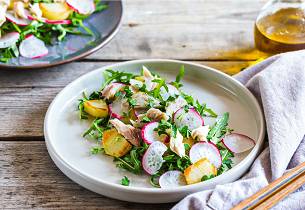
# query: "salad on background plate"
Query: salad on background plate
150,125
27,27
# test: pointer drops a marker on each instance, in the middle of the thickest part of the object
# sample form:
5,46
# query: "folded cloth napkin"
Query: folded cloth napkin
279,85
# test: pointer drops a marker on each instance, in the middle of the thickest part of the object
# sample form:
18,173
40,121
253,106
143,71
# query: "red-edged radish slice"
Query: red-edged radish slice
18,21
152,159
173,106
238,143
149,135
172,179
82,6
206,150
190,118
118,108
57,22
9,39
32,47
172,91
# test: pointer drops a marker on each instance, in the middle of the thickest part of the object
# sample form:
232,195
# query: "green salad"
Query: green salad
28,26
150,125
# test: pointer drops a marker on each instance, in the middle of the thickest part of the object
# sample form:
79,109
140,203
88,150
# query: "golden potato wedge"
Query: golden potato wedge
115,144
55,11
195,172
96,108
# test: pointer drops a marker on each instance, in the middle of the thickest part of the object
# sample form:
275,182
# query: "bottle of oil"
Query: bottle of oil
280,27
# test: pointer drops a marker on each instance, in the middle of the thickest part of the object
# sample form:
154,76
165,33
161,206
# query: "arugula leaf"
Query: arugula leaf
177,83
132,161
226,161
100,6
156,91
116,76
185,131
8,53
154,180
207,177
163,127
219,128
174,162
81,108
125,181
97,128
145,119
96,150
200,108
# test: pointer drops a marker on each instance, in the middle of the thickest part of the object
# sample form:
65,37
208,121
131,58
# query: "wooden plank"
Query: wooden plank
29,179
60,76
25,97
185,29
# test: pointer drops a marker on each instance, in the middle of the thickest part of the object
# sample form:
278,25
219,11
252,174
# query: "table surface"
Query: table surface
217,33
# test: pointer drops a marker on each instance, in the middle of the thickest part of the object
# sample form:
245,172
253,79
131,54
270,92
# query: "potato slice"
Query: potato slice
115,144
195,172
96,108
55,11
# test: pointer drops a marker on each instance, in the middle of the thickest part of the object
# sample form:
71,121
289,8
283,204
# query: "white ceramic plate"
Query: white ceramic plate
98,173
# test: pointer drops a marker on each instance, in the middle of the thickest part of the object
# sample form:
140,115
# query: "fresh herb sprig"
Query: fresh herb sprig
116,76
47,32
177,83
125,181
132,161
219,129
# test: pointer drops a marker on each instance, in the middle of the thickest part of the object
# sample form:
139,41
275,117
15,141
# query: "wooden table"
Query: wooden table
217,33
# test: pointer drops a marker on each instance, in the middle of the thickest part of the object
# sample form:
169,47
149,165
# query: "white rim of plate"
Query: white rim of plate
92,179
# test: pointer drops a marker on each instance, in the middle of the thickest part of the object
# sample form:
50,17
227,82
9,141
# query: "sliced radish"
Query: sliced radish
82,6
172,91
55,22
152,159
238,143
173,106
119,108
206,150
32,47
190,118
18,21
149,135
9,39
172,179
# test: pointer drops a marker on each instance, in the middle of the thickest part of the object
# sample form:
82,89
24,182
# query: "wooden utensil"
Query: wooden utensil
276,191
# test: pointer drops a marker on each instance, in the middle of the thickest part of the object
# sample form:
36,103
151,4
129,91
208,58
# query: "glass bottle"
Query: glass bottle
280,26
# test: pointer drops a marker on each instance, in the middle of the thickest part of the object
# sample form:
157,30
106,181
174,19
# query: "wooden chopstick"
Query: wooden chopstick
275,191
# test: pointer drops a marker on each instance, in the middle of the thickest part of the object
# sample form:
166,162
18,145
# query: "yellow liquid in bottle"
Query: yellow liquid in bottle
281,31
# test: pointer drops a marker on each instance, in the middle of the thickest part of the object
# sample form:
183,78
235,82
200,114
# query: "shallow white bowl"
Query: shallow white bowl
98,173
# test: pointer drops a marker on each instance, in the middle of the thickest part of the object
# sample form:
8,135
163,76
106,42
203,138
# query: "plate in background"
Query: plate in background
104,25
70,151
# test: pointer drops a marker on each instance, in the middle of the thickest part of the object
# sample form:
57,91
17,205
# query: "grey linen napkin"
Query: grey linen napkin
279,85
